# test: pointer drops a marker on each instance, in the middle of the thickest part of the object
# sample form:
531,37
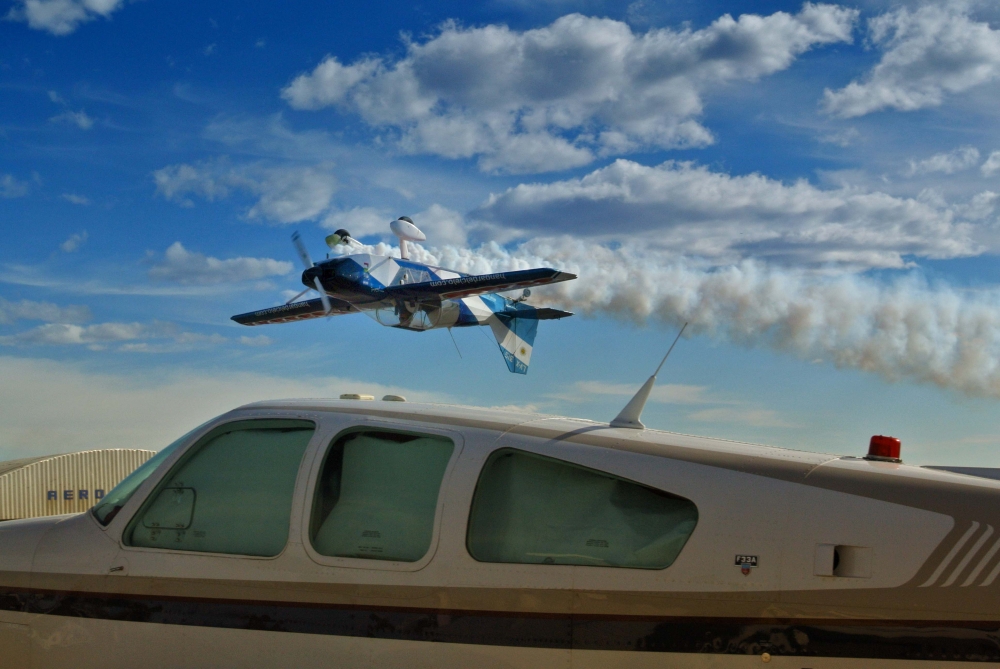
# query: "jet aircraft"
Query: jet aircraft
402,293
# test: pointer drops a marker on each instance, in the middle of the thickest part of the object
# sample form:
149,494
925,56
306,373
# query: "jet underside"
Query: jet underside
414,296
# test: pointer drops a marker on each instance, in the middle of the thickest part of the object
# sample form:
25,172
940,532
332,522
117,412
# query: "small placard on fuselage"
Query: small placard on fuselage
749,560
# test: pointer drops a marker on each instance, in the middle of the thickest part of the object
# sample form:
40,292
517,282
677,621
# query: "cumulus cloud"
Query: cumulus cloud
690,209
11,187
962,158
991,165
61,17
555,97
77,118
74,242
186,267
903,329
27,310
929,52
285,194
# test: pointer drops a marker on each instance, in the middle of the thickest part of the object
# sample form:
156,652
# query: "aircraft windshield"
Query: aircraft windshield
106,510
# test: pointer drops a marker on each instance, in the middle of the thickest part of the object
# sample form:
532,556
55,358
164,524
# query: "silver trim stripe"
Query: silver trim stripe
982,563
968,556
967,559
951,555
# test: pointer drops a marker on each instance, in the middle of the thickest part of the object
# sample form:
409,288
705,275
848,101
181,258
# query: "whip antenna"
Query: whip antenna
629,416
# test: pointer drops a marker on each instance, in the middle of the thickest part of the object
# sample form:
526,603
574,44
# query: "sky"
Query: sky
813,187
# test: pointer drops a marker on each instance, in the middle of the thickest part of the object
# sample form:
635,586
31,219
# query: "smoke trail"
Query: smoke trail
903,329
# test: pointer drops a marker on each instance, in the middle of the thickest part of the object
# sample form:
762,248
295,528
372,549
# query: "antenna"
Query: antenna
629,416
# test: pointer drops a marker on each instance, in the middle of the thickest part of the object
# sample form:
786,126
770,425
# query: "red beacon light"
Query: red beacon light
884,449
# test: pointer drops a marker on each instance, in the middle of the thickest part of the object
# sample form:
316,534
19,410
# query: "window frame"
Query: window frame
374,425
571,461
145,493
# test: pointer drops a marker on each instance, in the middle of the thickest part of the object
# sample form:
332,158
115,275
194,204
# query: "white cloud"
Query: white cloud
360,221
555,97
61,17
26,310
980,207
929,52
185,267
962,158
689,209
11,187
75,199
79,119
294,194
285,194
442,225
49,407
991,165
211,181
74,242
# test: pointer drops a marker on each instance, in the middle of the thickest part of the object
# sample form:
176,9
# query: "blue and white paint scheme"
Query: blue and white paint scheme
401,293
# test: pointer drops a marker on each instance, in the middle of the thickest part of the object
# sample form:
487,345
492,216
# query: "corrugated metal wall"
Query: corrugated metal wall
65,483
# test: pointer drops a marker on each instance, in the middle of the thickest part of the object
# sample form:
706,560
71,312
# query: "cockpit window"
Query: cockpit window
376,496
106,510
533,509
231,494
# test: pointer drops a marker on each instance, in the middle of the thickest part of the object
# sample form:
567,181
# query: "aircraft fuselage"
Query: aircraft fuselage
387,534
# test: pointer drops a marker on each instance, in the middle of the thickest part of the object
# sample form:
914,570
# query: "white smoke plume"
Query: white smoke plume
903,329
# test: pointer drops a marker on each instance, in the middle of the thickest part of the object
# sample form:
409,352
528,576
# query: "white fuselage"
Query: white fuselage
75,593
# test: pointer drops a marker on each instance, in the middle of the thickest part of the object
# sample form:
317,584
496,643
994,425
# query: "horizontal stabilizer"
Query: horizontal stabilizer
296,311
548,314
466,286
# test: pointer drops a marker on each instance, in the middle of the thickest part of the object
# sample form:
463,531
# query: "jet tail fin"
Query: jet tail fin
514,329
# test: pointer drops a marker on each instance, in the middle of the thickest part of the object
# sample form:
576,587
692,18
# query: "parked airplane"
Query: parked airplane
361,533
404,294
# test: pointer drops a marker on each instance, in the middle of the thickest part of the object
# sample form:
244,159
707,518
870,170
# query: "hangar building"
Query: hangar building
68,483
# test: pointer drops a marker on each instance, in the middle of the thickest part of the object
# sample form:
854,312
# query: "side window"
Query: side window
377,495
533,509
231,494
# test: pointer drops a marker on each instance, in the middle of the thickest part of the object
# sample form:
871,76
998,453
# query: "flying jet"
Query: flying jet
389,534
402,293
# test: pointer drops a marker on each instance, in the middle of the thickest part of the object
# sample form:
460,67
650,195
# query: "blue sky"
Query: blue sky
813,186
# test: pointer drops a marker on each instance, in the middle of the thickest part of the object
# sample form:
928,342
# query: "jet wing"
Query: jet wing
296,311
464,286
